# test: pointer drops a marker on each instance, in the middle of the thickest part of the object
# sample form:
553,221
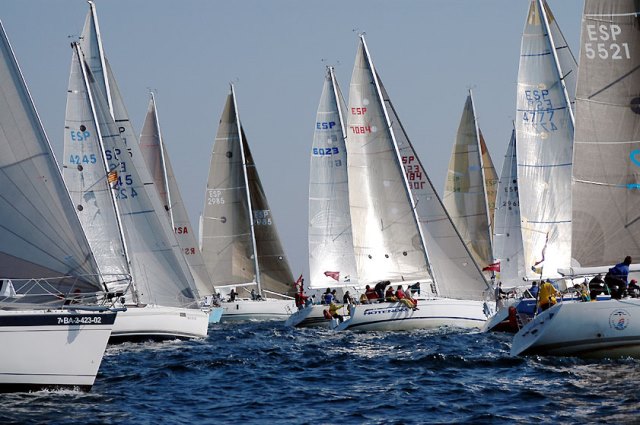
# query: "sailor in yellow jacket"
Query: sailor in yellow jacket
546,295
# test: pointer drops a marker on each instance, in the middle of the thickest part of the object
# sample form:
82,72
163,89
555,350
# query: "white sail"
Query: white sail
40,234
331,258
157,275
544,130
107,86
240,243
159,164
507,238
606,173
566,60
398,219
465,195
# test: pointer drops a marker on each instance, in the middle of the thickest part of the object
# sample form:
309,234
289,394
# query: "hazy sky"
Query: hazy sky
428,54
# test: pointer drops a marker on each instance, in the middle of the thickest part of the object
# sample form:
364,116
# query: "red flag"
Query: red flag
298,283
495,267
333,275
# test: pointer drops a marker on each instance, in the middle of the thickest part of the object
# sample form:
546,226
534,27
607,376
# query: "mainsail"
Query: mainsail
401,231
40,235
606,172
466,197
240,243
544,130
507,237
331,258
157,274
159,164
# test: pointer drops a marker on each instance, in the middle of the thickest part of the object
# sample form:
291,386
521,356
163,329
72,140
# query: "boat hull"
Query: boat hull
309,317
52,349
159,323
216,314
595,329
269,309
431,314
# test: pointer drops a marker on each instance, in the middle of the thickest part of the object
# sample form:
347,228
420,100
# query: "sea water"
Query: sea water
265,373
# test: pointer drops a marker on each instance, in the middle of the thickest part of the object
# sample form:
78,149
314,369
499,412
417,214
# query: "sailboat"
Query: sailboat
159,164
470,189
331,259
240,243
121,213
605,192
401,232
51,336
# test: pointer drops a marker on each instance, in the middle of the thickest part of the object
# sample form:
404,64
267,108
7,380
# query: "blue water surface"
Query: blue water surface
265,373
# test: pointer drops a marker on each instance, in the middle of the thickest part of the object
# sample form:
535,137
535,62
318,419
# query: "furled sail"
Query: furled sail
331,258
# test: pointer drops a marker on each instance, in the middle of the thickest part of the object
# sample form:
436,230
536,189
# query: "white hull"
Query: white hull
310,316
432,313
269,309
51,349
157,323
595,329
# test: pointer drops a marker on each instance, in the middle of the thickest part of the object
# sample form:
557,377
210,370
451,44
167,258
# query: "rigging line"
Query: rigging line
631,71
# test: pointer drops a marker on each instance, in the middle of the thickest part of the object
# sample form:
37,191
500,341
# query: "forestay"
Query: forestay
331,258
544,130
40,235
606,188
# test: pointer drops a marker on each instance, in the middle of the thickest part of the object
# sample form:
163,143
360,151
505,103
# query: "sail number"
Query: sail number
603,43
214,197
262,217
413,171
539,110
360,129
332,150
189,251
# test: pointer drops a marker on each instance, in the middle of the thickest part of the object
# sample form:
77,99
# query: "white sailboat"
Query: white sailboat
606,178
331,258
44,256
123,222
401,231
159,164
240,243
470,189
544,131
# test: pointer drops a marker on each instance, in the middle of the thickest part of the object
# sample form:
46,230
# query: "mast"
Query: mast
94,18
399,159
246,185
85,78
484,179
165,180
556,61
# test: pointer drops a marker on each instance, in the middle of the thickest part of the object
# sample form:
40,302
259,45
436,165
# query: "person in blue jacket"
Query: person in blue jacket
616,278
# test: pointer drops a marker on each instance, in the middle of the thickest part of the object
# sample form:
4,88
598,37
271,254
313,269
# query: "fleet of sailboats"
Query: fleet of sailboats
105,251
240,242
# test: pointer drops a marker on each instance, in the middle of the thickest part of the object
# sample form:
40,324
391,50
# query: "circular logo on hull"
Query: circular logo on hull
619,319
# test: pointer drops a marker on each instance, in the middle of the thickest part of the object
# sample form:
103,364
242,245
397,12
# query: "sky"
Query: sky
428,54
